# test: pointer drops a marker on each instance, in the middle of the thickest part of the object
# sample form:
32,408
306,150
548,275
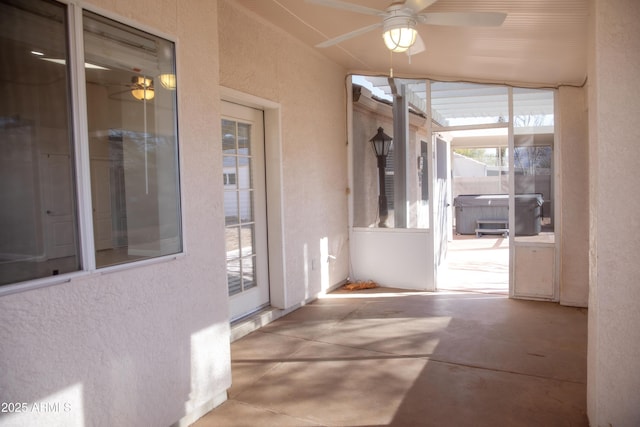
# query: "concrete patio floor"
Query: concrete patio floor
477,264
389,357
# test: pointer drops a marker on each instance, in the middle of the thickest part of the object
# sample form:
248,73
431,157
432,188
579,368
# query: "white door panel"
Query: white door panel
58,205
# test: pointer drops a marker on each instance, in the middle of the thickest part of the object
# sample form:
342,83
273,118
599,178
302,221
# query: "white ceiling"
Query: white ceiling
541,42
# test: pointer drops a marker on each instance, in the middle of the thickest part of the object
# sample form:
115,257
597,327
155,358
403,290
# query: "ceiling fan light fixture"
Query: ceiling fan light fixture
400,39
399,30
142,88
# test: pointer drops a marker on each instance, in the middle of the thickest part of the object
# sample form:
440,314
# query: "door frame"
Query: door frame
440,205
274,190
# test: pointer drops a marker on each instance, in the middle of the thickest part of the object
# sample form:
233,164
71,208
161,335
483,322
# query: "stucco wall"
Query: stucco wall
574,193
146,345
265,62
614,107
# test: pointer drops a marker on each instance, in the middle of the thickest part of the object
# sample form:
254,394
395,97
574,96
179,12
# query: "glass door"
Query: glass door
532,197
245,209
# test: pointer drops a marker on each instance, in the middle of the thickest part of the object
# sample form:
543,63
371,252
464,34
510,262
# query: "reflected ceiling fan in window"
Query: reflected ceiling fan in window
400,19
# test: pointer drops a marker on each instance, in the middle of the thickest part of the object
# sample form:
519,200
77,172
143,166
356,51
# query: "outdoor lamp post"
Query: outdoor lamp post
381,144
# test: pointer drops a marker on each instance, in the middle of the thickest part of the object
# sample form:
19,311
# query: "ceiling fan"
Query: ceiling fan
399,21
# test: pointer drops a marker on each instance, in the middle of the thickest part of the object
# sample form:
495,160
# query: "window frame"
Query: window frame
78,128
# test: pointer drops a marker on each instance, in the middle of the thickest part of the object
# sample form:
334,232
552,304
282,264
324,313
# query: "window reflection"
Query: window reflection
132,142
38,220
131,108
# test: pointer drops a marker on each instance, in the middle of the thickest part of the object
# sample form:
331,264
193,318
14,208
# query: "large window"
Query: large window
132,142
392,190
109,195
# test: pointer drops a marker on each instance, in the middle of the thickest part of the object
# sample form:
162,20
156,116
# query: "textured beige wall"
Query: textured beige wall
147,345
574,193
614,318
261,60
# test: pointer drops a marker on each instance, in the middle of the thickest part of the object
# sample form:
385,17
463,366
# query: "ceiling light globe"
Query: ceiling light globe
143,94
399,39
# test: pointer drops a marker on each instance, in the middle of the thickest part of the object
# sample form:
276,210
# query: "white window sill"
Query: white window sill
77,275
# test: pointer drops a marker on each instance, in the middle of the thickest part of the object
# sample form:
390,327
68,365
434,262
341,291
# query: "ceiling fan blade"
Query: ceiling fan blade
417,47
337,4
346,36
418,5
463,19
